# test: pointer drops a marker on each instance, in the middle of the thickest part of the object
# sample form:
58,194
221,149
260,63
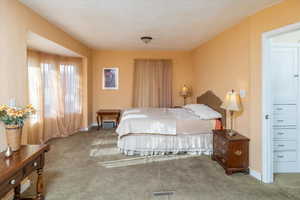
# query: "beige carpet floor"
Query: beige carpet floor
74,172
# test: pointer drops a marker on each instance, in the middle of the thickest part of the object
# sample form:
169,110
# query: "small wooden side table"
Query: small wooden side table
108,112
231,152
15,168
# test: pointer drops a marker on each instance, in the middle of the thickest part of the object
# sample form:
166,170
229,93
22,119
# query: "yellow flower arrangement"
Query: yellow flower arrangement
3,107
12,116
29,109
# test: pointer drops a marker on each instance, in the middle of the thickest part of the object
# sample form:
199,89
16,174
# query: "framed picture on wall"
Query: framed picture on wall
110,78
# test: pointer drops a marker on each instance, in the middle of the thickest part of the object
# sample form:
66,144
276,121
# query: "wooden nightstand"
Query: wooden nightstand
232,153
108,112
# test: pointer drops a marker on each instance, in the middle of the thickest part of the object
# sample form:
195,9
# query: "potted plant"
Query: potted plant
14,118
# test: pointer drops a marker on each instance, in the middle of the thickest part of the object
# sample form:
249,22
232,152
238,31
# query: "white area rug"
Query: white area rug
104,151
142,160
103,141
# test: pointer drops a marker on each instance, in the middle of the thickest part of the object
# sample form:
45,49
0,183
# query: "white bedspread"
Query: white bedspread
152,120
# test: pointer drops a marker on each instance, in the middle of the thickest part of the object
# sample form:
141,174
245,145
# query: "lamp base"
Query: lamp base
231,133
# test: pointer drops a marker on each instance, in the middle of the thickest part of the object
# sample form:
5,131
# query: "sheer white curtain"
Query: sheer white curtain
55,89
152,83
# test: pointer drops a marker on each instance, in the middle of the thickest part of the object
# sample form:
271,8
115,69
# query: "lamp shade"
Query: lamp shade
232,102
185,91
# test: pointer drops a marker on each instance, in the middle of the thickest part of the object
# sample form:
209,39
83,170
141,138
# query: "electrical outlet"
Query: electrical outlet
242,93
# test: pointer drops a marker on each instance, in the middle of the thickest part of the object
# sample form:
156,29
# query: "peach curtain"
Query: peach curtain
55,90
152,83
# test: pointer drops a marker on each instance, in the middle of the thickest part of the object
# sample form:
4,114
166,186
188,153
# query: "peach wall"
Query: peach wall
223,64
15,22
122,98
233,60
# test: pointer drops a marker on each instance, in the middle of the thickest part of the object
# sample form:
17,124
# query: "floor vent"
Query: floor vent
163,193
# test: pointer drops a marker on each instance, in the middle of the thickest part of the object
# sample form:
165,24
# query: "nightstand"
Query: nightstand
108,112
231,152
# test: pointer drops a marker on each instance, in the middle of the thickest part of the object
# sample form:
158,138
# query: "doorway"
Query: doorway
281,102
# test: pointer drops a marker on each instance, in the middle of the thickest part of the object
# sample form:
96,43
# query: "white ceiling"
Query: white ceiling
118,24
37,42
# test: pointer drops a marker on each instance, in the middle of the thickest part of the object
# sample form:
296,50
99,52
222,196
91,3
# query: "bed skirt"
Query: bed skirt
147,145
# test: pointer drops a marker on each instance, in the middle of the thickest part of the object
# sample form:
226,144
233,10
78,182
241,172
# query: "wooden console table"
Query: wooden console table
14,169
108,112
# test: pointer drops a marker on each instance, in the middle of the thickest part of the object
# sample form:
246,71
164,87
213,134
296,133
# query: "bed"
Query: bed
155,131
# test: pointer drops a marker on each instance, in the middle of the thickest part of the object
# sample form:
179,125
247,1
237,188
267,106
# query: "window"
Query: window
70,81
55,91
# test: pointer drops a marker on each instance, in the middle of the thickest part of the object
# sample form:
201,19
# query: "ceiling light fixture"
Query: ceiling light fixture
146,39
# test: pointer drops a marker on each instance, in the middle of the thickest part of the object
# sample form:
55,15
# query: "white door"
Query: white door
286,145
284,60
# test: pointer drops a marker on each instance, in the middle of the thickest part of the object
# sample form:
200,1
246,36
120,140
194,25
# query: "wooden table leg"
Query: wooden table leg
98,122
118,119
40,185
101,120
17,192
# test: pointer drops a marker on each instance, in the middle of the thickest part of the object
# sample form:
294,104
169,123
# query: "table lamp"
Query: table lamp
185,93
232,104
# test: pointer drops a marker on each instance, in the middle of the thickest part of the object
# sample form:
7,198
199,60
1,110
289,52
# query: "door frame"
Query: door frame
267,137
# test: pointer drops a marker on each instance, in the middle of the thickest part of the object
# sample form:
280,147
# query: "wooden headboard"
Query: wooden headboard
211,100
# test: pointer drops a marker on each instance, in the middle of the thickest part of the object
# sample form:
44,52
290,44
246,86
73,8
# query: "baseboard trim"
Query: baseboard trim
84,129
255,174
93,125
89,127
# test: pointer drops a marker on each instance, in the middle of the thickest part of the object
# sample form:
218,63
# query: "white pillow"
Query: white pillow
203,111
